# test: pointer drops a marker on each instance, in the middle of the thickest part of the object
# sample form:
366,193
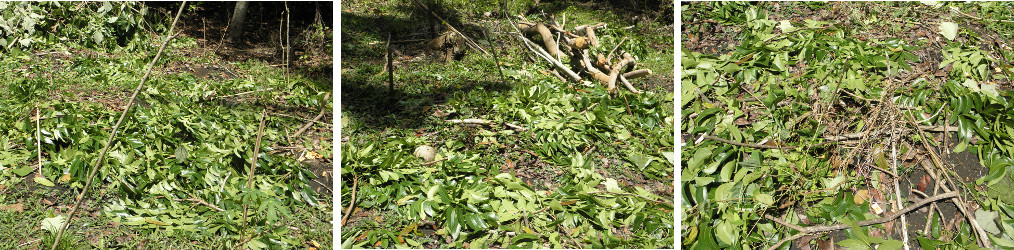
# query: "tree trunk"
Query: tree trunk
236,23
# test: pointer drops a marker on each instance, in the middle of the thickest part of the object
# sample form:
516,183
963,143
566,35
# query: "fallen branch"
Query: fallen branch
545,55
614,72
589,31
348,211
321,114
629,86
547,38
823,228
637,73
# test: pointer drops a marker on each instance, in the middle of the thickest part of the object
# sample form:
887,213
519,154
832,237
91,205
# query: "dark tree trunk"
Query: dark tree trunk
236,23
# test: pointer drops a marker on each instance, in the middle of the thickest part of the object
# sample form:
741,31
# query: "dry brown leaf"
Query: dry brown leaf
13,208
924,183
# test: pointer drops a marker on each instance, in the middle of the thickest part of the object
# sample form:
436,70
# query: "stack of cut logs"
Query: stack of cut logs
576,44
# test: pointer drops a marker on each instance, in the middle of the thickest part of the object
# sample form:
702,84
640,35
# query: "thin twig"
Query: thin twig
609,58
322,185
253,164
202,202
894,156
301,118
38,138
30,242
935,159
348,211
116,128
389,64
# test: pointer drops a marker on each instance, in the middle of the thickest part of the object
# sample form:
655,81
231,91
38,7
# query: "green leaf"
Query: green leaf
525,237
949,30
181,154
23,171
765,199
43,181
931,243
890,245
961,146
54,224
726,233
641,161
853,244
985,219
612,185
786,26
671,156
833,182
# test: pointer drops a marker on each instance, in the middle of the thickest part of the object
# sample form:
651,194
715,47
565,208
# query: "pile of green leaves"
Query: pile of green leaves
30,25
727,188
178,147
473,203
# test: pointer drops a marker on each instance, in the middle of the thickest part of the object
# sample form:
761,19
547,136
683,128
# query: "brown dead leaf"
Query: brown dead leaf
924,183
47,202
825,244
741,121
17,208
803,243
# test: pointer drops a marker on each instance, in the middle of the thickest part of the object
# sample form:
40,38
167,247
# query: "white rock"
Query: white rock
427,153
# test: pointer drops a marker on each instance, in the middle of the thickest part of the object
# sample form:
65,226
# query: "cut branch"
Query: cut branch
637,74
545,55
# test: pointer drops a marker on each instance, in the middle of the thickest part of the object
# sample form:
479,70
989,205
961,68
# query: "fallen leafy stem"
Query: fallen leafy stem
719,139
823,228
